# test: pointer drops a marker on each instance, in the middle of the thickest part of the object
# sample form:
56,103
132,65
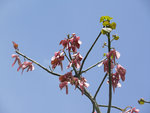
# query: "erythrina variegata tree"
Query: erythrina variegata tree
113,71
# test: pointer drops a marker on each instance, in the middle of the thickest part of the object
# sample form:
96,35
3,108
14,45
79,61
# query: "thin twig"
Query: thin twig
50,68
56,74
147,102
100,85
93,66
66,56
111,107
88,53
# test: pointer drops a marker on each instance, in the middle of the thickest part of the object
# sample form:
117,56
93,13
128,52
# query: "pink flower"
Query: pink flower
65,43
75,81
16,59
114,54
75,43
64,84
23,66
65,79
69,78
133,110
27,65
122,71
72,43
75,61
57,60
83,84
106,65
115,80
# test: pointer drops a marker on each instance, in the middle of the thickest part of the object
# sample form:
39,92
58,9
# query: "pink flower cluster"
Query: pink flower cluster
132,110
25,65
71,44
75,61
120,70
69,78
57,60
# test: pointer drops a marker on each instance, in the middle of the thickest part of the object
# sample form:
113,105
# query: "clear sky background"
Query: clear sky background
39,25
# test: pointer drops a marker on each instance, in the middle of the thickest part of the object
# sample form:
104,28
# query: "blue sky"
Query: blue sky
39,25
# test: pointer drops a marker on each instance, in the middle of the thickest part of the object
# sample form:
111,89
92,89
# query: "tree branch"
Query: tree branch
111,107
56,74
110,82
86,92
100,85
66,56
146,101
88,53
93,66
95,105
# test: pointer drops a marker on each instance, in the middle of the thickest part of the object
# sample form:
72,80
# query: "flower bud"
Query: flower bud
141,101
115,37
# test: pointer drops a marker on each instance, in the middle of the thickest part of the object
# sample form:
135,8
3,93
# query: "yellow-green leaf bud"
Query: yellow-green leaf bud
141,101
104,54
115,37
106,23
113,25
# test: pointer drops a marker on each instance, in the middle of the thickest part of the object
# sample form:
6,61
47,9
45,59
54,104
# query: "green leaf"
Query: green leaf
108,18
113,25
102,19
115,37
106,23
105,18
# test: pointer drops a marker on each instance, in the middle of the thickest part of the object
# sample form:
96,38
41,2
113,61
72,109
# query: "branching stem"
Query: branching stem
95,105
56,74
88,53
111,107
84,71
